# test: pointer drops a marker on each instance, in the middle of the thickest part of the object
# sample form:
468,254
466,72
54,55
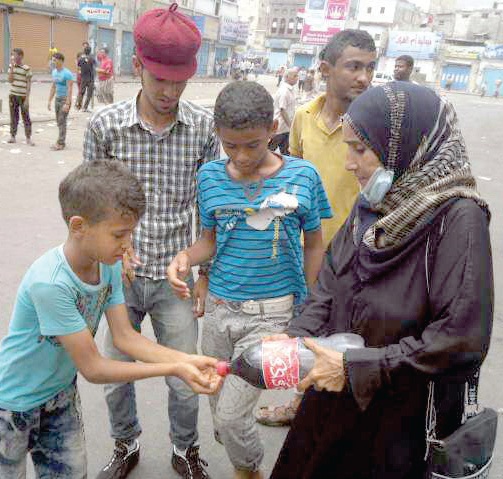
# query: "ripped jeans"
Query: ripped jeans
54,435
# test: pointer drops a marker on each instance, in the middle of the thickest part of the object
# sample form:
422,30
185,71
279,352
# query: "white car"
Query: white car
380,78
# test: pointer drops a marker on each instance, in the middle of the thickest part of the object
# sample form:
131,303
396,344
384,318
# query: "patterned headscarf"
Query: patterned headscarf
415,133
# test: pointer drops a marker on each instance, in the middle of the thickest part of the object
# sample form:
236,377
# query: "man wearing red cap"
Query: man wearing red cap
163,140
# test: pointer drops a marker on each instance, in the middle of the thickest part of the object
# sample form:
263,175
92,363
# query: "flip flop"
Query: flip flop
276,416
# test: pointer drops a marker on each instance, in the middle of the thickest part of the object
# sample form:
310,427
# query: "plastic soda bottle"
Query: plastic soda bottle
282,364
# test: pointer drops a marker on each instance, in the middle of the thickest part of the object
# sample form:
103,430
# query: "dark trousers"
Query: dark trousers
87,90
16,103
281,141
61,117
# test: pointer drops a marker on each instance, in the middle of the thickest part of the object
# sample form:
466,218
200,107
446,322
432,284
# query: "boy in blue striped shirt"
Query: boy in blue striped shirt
253,207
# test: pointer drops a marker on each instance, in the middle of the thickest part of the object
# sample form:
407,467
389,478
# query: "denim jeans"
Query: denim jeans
227,332
174,326
54,435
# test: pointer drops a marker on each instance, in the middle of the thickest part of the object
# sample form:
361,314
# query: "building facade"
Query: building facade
284,27
35,25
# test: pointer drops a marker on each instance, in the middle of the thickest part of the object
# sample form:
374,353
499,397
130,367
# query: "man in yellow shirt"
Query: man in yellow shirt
347,63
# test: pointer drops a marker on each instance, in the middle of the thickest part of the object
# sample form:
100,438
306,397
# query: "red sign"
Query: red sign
320,24
280,363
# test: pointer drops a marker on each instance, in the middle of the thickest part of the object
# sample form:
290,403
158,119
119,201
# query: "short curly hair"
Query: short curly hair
95,189
244,104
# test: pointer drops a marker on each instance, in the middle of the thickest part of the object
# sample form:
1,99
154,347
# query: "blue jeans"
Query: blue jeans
174,326
54,435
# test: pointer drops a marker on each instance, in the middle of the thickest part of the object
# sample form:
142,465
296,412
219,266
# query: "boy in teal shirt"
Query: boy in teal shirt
58,308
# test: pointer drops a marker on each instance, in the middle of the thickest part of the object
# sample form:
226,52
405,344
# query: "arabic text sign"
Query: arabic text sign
419,45
322,20
233,30
95,12
494,51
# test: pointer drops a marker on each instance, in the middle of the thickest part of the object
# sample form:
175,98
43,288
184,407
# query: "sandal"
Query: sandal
57,147
276,415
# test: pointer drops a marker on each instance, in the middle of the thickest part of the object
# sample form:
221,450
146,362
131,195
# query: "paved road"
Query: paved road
30,224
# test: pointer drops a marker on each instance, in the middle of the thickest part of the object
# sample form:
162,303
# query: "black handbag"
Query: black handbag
466,453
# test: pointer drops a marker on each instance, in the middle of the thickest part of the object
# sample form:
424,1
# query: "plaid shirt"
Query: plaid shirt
166,163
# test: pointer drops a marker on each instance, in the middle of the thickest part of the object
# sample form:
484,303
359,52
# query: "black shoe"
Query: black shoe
122,462
191,465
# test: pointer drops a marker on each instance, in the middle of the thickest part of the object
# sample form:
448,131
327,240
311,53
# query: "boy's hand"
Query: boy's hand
200,292
49,105
177,271
200,374
130,261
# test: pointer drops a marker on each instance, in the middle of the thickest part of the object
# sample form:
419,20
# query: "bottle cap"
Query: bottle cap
223,368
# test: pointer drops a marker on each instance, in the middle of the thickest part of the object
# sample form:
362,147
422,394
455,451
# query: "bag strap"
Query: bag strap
471,407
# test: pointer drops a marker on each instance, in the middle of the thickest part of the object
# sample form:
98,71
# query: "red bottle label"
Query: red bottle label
280,363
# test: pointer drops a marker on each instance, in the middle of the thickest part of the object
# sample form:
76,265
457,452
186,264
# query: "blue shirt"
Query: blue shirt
51,301
258,227
60,77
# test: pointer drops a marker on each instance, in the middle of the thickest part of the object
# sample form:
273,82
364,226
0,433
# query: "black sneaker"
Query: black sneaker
191,465
123,460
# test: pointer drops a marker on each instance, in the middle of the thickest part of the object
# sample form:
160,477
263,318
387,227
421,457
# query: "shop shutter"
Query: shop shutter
32,33
68,37
2,42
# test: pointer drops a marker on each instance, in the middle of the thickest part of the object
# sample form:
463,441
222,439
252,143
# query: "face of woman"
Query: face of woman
360,159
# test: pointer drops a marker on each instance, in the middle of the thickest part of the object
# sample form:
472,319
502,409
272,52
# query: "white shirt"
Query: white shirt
284,99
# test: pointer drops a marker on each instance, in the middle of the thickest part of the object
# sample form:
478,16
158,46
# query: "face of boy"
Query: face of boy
161,95
246,148
107,240
351,75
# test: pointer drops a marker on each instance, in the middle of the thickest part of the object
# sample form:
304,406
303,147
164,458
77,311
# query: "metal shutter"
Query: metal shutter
32,34
68,36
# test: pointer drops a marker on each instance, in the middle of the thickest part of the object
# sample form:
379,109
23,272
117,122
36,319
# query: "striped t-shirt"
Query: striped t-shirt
22,73
258,227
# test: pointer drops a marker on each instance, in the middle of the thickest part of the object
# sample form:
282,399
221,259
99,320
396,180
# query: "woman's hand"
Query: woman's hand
328,369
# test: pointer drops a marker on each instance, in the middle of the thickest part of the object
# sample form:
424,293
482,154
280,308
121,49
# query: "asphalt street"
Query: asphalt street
31,223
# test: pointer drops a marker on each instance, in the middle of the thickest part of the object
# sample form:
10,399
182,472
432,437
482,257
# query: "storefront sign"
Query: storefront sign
494,51
419,45
278,43
459,51
96,12
199,21
233,31
323,19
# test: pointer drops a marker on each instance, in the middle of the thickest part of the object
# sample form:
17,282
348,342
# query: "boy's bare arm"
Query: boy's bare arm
100,370
313,255
201,251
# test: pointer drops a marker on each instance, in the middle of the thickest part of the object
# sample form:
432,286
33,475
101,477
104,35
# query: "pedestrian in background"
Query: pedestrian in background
164,141
79,77
497,84
62,86
87,72
284,110
105,71
404,66
50,59
302,78
19,77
